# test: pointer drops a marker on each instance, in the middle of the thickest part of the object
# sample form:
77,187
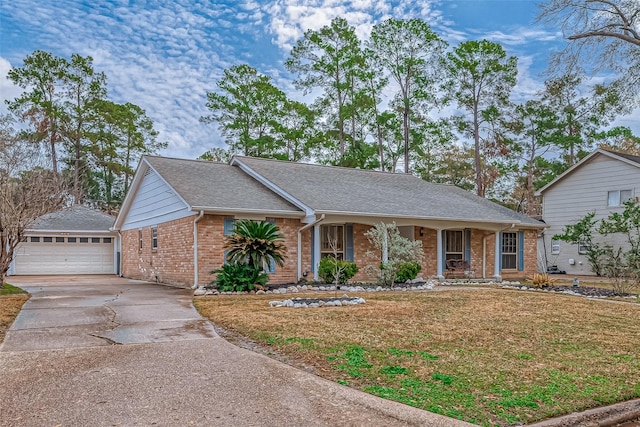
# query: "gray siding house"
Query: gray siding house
600,183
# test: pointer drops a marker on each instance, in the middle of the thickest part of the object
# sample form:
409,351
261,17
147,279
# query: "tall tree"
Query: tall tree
410,52
581,117
27,191
620,139
329,59
247,107
83,87
41,103
534,125
480,78
120,133
602,34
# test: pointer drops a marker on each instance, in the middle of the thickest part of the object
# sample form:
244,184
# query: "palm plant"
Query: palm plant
256,243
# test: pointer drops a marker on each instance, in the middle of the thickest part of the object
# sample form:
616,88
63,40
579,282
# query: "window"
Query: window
84,240
59,239
332,241
154,238
583,247
555,247
35,240
454,247
270,264
618,197
229,226
106,240
139,240
509,251
95,240
47,239
71,240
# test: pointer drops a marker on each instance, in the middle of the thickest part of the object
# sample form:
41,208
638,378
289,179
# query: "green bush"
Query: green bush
330,267
236,277
407,271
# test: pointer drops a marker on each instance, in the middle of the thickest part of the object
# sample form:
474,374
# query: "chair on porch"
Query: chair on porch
458,269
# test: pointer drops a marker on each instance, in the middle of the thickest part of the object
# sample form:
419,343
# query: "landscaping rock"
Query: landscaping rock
260,292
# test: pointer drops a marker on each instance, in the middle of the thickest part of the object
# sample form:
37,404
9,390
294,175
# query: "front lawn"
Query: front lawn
489,356
11,301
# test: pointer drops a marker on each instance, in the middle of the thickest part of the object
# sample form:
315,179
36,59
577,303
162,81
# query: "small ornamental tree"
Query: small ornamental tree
392,252
253,245
582,233
256,243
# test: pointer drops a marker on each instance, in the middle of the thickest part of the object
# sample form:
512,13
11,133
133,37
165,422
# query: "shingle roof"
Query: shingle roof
333,189
205,184
631,157
75,218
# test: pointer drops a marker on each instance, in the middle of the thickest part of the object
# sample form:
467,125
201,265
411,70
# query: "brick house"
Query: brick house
173,220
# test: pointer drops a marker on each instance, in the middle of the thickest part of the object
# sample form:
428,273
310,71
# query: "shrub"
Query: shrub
333,270
407,271
237,277
539,280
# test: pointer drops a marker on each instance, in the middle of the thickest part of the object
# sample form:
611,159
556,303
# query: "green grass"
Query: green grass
8,289
493,357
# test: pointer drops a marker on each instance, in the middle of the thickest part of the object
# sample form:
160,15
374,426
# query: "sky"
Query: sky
164,55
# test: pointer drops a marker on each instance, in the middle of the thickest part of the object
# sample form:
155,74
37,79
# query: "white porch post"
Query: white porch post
496,262
316,251
439,254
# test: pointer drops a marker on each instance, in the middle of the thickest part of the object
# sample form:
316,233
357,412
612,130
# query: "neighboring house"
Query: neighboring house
177,212
75,240
600,183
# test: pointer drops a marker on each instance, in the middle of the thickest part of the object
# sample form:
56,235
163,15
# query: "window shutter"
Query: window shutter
226,253
348,242
520,250
499,249
229,226
467,245
444,249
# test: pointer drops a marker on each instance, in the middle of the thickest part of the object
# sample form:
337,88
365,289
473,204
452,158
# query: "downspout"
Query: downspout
195,249
300,243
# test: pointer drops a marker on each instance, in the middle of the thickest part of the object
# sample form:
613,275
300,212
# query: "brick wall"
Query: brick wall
171,262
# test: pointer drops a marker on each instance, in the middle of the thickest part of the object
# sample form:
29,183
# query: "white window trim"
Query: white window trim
154,238
620,201
514,254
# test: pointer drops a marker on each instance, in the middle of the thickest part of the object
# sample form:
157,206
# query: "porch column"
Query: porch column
496,262
316,251
439,252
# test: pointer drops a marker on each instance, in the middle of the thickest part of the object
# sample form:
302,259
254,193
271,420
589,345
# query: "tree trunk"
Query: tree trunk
477,158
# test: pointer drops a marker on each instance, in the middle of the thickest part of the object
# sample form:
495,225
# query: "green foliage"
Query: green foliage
337,271
480,77
256,243
237,277
582,232
392,252
407,271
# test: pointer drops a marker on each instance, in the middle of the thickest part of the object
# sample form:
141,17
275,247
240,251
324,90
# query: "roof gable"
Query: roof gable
622,157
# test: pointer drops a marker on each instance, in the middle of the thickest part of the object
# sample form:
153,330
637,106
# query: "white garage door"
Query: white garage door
65,255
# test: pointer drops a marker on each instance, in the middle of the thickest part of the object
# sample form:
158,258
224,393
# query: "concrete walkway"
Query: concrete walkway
104,351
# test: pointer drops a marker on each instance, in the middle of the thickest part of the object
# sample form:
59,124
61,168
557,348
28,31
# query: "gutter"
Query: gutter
300,242
195,249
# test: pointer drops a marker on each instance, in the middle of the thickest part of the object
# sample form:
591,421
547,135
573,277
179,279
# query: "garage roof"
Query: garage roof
75,218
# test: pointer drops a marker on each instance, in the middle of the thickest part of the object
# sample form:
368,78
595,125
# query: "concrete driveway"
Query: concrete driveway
105,351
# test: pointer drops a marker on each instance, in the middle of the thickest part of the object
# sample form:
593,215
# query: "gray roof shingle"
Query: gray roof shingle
205,184
631,157
75,218
335,189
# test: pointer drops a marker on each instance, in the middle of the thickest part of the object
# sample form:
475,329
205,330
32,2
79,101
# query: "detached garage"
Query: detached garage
76,240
